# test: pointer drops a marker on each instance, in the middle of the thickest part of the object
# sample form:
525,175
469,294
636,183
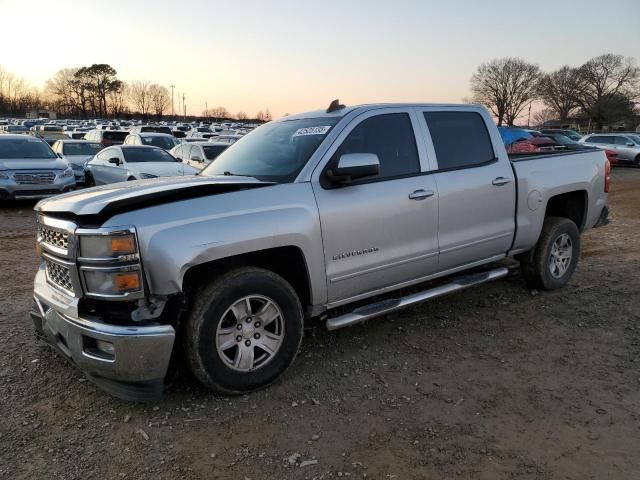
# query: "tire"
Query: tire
207,331
536,265
636,162
88,180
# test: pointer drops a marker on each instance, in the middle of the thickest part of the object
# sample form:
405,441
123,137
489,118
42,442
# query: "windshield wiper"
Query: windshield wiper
229,174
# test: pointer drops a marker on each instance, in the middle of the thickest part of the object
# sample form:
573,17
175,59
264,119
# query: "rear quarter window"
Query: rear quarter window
460,139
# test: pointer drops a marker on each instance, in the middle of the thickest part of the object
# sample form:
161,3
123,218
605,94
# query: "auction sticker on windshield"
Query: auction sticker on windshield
312,131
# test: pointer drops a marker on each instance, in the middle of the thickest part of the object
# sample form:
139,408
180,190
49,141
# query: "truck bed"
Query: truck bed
552,174
519,157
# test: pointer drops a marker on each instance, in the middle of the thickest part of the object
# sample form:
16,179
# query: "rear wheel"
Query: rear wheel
88,180
552,262
244,330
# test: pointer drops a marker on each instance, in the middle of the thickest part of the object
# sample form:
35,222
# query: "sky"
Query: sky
294,56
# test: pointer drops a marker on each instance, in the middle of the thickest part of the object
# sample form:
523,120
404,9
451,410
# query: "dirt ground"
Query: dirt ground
497,382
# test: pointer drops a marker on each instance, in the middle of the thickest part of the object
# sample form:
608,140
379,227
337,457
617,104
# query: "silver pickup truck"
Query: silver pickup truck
305,214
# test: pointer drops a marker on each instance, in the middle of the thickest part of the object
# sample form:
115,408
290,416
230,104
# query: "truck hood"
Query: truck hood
32,164
107,200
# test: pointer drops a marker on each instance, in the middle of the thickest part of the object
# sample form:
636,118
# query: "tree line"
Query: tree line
95,91
603,90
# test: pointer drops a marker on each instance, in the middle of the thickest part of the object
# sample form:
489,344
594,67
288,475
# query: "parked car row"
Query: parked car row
620,148
120,151
30,168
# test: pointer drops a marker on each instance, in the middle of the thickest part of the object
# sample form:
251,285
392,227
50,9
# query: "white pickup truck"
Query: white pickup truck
305,214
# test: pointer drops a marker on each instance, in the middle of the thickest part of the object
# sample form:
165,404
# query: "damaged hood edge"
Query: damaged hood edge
108,200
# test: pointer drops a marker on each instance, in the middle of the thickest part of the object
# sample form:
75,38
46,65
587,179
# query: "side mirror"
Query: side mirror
353,166
630,144
115,161
196,158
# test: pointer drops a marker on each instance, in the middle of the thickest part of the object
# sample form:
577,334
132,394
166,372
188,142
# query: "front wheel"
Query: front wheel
244,330
552,262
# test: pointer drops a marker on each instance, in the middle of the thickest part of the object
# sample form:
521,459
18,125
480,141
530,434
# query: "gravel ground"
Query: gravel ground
494,382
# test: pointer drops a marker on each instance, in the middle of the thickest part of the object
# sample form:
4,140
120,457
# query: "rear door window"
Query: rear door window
460,139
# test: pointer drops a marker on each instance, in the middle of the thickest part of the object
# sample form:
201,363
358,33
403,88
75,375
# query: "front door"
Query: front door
380,231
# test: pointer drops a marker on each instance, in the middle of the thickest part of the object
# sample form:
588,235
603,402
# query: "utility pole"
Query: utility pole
206,109
184,104
172,111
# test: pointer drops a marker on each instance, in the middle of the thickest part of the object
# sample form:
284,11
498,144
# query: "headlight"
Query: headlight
108,282
148,175
68,172
4,176
107,246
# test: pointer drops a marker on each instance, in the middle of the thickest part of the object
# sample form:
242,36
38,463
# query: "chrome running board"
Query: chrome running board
383,307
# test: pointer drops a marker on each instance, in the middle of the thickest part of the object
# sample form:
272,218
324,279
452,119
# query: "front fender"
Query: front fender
177,236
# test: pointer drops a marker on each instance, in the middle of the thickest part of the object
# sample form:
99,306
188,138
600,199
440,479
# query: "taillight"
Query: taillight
607,176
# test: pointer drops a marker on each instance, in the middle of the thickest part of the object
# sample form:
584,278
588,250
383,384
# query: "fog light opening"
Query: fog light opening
105,347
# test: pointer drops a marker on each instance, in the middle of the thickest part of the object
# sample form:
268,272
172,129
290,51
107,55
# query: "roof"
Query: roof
135,146
367,106
153,134
18,136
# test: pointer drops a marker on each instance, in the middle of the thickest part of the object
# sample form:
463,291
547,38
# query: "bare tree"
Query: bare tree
558,90
260,116
267,115
218,113
242,116
160,99
60,90
140,95
118,101
608,84
505,86
543,116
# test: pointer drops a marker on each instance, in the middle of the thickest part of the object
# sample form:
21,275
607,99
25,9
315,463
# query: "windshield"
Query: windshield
635,139
81,148
146,154
16,128
275,151
27,148
563,140
212,151
162,142
115,136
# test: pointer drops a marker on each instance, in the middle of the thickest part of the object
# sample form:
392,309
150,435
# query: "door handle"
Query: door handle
501,181
421,194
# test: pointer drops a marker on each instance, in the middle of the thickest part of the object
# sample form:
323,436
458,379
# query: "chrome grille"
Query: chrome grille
59,275
35,178
53,237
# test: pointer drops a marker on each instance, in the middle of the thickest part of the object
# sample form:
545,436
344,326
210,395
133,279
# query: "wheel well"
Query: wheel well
571,205
288,262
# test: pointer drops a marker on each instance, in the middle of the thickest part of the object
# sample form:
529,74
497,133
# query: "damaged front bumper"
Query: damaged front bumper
129,362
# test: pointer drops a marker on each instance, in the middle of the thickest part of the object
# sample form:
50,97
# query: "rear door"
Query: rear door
379,231
476,189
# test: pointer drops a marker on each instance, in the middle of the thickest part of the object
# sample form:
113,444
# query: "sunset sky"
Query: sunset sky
292,56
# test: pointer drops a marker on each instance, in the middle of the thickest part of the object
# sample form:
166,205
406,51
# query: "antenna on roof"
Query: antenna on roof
335,105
